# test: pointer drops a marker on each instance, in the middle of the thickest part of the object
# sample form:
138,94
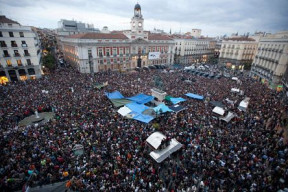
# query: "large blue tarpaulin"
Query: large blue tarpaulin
162,108
176,100
143,118
135,107
141,98
114,95
194,96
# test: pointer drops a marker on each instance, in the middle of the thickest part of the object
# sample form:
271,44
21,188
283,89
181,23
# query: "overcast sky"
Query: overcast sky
214,17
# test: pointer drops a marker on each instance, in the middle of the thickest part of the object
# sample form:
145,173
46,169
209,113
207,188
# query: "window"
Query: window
3,44
19,63
1,35
13,44
121,50
9,64
114,51
127,50
100,53
6,54
108,52
26,53
21,34
28,62
101,62
24,44
11,34
16,53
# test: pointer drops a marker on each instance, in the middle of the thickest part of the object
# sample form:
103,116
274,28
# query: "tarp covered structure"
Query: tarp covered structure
217,103
176,108
162,108
114,95
135,107
120,102
161,155
149,112
218,110
244,104
155,139
194,96
124,111
141,98
143,118
235,90
228,117
235,78
176,100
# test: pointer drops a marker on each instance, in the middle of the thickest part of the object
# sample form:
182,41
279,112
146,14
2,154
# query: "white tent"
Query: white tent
244,104
235,78
155,139
228,117
124,111
234,90
161,155
218,110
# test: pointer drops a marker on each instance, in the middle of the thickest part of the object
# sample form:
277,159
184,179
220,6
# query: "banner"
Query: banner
154,55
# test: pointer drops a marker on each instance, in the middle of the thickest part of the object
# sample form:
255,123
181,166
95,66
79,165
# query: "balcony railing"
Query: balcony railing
29,64
3,45
6,55
14,45
27,54
24,45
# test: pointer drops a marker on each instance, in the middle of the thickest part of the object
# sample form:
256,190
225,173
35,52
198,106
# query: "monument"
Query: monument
157,90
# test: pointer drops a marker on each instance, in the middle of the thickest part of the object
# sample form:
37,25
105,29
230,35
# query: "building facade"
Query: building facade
237,52
271,60
118,50
190,50
20,51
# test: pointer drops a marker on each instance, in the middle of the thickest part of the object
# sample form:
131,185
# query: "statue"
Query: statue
158,82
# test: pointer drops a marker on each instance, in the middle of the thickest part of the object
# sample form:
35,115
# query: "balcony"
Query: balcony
17,55
27,54
14,45
121,55
29,64
3,45
6,55
24,45
114,55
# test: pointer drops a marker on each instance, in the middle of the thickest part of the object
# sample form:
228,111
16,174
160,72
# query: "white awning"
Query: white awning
244,104
228,117
124,111
155,139
218,110
161,155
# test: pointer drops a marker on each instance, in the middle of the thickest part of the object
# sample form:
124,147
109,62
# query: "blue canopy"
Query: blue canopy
135,107
143,118
114,95
161,107
176,100
141,98
194,96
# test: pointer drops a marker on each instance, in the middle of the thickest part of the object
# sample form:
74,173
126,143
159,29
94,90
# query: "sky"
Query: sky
214,17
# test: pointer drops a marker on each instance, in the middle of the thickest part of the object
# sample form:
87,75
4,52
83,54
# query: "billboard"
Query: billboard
154,55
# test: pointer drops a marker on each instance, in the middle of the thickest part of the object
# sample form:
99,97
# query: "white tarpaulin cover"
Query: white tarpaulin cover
161,155
235,78
124,111
235,90
244,104
228,117
154,55
218,110
155,139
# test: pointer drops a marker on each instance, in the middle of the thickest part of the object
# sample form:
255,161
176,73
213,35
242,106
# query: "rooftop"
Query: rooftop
4,19
239,39
99,36
152,36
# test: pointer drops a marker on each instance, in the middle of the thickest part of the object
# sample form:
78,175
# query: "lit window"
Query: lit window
8,62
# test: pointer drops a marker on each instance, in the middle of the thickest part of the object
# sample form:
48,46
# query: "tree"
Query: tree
49,62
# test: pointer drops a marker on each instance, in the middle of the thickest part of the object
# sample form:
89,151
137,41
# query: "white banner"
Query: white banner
154,55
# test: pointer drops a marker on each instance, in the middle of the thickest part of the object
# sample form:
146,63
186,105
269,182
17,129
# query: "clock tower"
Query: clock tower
137,20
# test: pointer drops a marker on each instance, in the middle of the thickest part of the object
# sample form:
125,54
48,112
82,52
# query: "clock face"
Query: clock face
139,24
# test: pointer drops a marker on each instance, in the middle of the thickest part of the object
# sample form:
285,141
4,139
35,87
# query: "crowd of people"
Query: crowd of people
249,153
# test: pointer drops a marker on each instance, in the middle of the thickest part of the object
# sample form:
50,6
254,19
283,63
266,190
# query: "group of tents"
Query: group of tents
134,107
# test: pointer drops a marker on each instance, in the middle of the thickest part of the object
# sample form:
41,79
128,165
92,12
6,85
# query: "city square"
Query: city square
141,111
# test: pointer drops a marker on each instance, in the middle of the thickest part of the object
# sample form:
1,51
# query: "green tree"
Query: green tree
49,62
